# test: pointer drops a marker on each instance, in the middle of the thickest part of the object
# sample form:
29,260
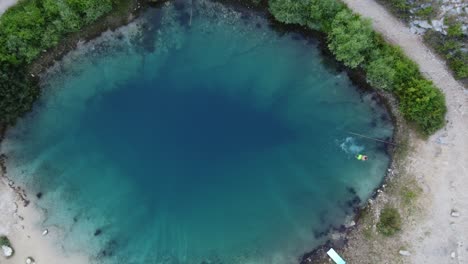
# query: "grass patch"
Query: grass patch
389,221
410,192
4,241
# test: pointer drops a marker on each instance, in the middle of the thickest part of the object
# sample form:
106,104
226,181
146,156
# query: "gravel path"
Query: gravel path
5,4
440,163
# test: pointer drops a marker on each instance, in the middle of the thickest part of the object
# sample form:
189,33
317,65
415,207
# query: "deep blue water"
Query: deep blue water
178,140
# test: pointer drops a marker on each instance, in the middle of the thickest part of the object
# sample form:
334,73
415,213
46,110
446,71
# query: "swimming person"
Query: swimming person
361,157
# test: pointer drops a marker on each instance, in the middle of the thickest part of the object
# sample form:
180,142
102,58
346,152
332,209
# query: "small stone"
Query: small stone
404,253
455,213
350,224
45,232
7,251
452,255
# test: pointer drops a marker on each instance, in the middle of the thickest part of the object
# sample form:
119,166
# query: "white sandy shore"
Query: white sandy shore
22,226
440,164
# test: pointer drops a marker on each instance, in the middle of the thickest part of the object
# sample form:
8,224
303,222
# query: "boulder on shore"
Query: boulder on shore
7,251
404,253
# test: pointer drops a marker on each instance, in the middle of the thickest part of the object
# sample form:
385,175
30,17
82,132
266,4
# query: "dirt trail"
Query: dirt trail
5,4
440,163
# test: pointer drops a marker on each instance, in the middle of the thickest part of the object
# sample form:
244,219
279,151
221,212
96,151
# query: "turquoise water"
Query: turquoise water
203,139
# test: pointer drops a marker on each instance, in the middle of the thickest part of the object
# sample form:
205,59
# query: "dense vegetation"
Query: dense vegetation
34,26
352,40
28,29
452,46
389,221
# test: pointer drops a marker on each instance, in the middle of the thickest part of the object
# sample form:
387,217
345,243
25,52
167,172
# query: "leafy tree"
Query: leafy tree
422,103
351,38
26,30
290,11
322,13
380,69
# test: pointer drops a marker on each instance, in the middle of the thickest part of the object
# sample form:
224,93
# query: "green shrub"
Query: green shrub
323,13
351,38
400,8
381,67
389,221
290,11
455,30
400,5
408,195
380,71
459,64
426,12
4,241
423,104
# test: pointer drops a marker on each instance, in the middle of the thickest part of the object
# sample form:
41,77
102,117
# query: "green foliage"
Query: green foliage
422,103
400,5
459,64
381,67
26,30
351,38
322,13
389,221
426,12
408,195
290,11
454,27
4,241
451,48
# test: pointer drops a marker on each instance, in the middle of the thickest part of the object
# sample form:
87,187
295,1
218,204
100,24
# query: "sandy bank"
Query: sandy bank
22,226
438,164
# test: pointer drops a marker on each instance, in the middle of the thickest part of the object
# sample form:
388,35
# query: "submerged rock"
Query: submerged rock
7,251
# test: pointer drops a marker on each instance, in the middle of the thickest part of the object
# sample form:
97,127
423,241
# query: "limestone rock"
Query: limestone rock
350,224
7,251
452,255
455,213
422,24
404,253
